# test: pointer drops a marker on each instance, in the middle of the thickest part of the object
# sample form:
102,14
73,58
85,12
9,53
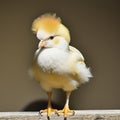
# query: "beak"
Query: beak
42,43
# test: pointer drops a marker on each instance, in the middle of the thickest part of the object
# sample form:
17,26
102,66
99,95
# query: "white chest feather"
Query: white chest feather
53,59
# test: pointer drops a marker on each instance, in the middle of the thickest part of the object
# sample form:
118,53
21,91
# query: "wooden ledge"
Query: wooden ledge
79,115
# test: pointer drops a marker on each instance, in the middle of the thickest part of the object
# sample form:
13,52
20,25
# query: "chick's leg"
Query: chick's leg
66,109
49,109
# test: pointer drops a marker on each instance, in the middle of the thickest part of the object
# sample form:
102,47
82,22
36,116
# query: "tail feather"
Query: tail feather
84,73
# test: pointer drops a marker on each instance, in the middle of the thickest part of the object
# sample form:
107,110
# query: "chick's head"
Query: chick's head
50,30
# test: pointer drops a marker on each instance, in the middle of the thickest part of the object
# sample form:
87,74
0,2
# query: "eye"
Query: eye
51,37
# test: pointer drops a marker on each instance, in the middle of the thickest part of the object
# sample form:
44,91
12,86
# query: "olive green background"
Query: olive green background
95,30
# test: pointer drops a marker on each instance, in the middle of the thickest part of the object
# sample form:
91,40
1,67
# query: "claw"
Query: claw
48,111
73,113
56,112
65,111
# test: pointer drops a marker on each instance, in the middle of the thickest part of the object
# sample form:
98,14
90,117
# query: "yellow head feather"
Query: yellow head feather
47,22
51,24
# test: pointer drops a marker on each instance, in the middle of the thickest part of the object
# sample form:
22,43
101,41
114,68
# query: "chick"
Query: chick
57,64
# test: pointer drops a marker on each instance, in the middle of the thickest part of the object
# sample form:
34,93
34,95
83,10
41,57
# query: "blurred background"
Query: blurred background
95,31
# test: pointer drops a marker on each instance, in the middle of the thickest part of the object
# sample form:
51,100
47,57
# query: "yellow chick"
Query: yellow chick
57,64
